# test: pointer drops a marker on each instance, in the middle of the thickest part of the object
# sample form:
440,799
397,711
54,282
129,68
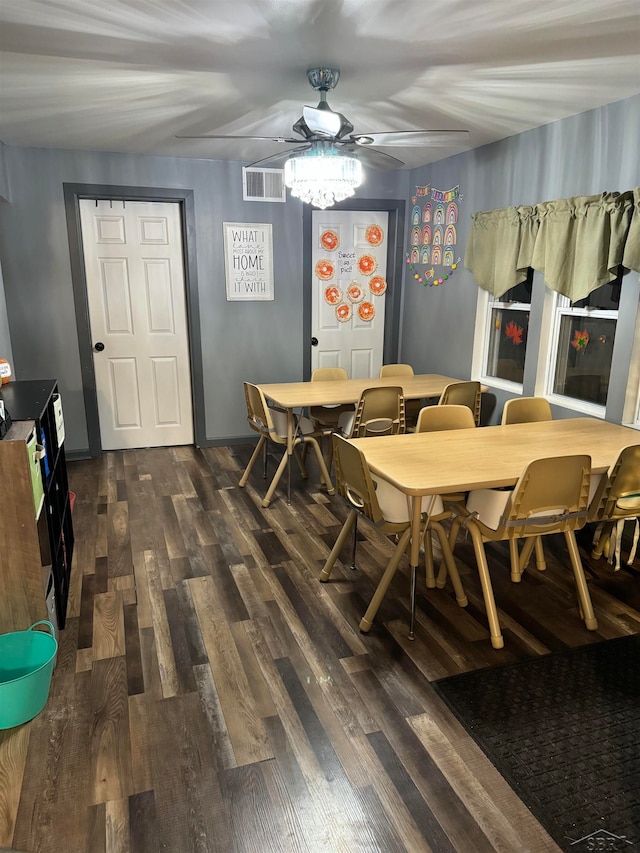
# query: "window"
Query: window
506,334
582,345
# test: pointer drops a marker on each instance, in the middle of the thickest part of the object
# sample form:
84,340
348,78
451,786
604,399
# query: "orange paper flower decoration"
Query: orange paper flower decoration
366,311
374,235
378,285
325,269
580,340
367,264
329,240
343,312
332,295
354,292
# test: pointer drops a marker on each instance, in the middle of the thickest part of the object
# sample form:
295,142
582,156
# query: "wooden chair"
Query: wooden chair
617,499
443,417
467,394
380,411
551,496
327,416
434,419
411,407
389,510
526,410
271,424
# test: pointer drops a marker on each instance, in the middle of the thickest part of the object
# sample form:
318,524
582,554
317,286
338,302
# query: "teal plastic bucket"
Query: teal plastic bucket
26,664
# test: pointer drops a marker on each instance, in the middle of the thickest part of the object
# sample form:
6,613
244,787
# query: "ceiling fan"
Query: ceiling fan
321,127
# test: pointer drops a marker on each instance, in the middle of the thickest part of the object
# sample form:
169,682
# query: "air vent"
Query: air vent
263,184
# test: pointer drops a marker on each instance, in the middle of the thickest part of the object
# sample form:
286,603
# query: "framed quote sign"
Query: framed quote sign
248,260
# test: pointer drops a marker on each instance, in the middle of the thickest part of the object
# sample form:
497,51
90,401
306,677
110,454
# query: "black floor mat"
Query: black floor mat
564,731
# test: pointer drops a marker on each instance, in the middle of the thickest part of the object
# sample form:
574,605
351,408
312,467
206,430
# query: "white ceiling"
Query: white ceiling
128,75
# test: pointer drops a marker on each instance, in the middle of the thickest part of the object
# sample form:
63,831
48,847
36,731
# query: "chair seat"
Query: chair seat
396,506
345,422
304,425
489,505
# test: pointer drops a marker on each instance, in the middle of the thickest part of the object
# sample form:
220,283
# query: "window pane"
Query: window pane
606,297
507,344
585,348
521,292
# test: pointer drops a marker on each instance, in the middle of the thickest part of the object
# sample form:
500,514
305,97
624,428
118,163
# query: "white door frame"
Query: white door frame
395,258
73,193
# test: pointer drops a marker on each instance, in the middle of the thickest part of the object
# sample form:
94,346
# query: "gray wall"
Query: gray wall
256,341
586,154
264,342
5,337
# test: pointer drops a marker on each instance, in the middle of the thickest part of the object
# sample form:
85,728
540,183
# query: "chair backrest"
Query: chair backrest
618,493
269,422
329,374
258,413
396,370
380,411
463,394
526,410
435,418
551,496
353,479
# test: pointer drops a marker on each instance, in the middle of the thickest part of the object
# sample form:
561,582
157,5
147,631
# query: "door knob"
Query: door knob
99,346
314,342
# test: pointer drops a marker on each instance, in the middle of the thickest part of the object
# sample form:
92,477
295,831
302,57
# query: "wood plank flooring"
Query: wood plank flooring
211,695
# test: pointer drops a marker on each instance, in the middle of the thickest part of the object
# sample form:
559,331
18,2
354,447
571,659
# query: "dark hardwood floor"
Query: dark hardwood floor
211,695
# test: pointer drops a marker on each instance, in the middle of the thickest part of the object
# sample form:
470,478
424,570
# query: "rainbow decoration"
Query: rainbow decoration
434,218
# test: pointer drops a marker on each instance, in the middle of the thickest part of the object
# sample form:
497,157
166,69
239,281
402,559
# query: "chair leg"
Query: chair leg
497,640
541,563
603,539
430,576
301,459
264,461
339,545
262,441
456,524
383,586
324,473
516,572
581,583
527,550
354,545
276,479
450,563
412,605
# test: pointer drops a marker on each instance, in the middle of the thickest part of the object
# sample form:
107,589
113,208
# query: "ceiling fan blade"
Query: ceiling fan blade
409,138
257,138
371,157
324,122
277,160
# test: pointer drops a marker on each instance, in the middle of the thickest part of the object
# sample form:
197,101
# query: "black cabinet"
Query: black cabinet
39,401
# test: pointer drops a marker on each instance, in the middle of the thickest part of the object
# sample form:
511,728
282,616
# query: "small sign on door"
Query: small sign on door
248,258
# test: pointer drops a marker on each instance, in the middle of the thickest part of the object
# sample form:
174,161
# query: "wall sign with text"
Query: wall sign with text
248,260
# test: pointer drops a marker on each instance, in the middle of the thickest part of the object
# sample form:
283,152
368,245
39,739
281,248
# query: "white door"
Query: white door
137,306
349,281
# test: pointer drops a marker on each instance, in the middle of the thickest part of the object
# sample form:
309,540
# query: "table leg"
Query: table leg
289,452
416,515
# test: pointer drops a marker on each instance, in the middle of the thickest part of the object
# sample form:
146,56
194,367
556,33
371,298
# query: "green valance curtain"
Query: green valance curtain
500,247
581,240
578,243
631,257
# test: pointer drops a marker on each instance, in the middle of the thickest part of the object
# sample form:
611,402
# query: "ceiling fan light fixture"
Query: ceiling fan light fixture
322,175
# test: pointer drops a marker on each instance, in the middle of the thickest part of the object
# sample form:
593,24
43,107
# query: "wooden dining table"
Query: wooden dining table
301,395
433,463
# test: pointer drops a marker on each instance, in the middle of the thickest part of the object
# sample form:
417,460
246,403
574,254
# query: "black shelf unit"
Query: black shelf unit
36,400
